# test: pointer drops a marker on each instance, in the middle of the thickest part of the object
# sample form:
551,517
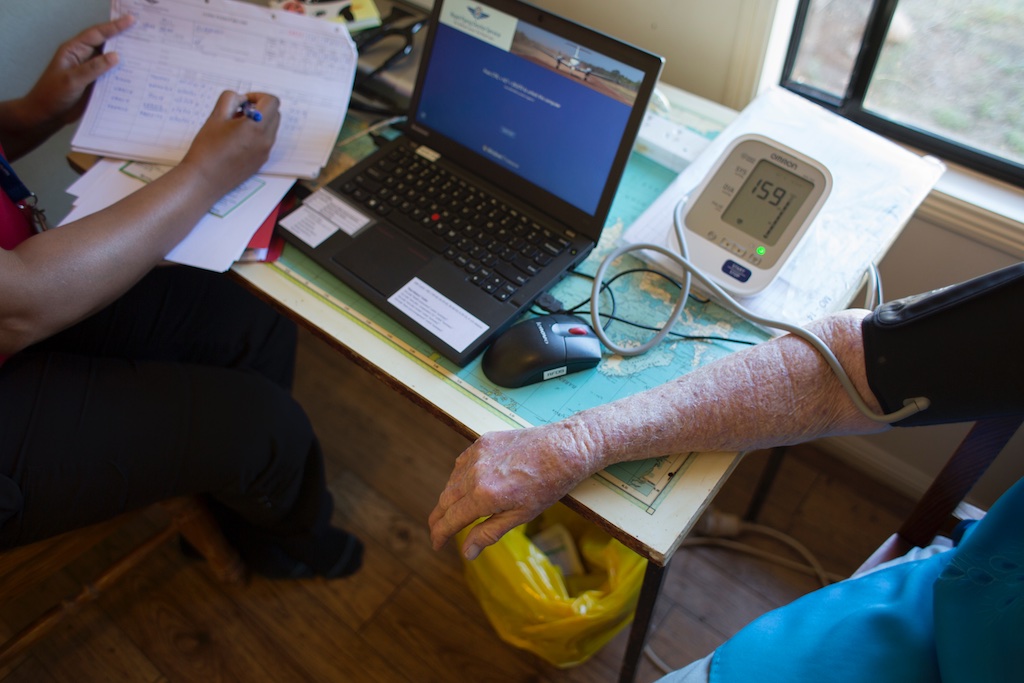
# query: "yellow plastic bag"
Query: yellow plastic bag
532,606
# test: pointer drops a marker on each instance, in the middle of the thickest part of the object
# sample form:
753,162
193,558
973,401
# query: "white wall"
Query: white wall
30,33
700,39
713,49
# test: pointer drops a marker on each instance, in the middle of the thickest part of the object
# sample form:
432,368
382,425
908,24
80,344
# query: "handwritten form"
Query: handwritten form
181,54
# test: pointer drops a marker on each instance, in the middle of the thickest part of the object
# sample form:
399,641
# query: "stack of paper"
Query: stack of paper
217,241
174,63
180,56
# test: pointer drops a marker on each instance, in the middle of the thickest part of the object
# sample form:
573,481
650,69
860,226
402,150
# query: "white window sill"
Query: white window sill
978,207
963,201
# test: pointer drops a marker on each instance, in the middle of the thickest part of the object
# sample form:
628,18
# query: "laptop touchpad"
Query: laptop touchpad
384,258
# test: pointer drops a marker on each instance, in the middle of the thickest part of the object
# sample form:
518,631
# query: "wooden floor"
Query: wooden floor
408,616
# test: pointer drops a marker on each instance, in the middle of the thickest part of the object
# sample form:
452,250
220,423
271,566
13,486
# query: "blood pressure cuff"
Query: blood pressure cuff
961,347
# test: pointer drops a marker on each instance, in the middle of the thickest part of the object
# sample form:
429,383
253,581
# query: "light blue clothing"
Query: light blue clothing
979,599
956,617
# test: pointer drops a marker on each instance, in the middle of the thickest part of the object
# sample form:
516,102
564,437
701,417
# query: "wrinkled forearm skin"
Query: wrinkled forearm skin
776,393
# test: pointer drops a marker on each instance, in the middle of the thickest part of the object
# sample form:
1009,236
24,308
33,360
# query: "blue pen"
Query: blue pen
249,109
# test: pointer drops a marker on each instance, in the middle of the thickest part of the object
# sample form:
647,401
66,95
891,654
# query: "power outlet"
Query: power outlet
668,143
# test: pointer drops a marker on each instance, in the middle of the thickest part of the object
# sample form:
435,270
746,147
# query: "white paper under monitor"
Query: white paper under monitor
877,186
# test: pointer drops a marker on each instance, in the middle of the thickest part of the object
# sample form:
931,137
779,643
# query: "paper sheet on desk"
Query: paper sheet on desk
178,58
219,238
877,187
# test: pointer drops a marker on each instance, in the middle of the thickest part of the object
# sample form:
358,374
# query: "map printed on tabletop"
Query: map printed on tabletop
645,298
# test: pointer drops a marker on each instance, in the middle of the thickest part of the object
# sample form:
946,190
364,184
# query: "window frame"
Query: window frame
851,104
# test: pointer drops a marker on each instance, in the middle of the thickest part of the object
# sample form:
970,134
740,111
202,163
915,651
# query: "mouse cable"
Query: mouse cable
606,288
575,310
546,306
678,335
910,407
647,270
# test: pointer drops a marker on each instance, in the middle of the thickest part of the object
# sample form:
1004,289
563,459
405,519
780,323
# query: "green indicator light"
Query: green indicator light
760,251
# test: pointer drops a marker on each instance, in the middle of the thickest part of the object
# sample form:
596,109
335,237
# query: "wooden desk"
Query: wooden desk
311,297
653,531
653,528
653,536
432,383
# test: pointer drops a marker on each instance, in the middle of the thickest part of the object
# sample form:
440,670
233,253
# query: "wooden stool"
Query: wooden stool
22,567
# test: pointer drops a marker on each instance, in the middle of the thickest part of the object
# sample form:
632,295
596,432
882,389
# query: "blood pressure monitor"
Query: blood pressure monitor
748,214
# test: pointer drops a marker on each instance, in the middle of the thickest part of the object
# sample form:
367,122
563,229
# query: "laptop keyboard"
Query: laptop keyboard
499,247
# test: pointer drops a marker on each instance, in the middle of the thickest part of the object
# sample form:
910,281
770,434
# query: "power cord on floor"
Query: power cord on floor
716,528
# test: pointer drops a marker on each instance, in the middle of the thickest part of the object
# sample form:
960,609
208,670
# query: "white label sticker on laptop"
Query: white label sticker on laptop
321,215
448,321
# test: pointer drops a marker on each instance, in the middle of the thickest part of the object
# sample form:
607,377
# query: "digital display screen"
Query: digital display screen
767,203
551,111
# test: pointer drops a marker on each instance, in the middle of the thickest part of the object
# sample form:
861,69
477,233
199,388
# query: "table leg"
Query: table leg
653,576
764,483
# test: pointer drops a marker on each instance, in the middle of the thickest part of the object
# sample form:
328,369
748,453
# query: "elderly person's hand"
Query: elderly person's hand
511,477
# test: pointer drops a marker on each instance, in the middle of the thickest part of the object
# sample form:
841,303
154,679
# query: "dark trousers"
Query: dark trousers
179,387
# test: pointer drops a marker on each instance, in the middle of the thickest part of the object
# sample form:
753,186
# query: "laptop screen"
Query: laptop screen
539,105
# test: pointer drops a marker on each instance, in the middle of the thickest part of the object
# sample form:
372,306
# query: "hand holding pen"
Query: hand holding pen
229,147
249,110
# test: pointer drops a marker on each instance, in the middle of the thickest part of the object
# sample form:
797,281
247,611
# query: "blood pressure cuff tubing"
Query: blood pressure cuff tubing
962,347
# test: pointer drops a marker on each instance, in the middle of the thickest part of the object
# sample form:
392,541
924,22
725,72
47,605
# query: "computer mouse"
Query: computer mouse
541,348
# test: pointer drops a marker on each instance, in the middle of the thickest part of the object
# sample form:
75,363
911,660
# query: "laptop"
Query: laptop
520,125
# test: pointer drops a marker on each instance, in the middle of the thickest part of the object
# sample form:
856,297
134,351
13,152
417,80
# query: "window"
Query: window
945,76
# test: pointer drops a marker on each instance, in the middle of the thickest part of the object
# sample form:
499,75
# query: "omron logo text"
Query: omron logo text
783,160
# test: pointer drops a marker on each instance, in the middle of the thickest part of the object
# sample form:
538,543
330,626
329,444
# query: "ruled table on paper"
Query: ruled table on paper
180,55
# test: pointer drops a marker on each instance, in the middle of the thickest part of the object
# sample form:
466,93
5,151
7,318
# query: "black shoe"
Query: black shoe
333,554
270,561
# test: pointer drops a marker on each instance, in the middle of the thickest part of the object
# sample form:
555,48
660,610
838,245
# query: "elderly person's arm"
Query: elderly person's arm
775,393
